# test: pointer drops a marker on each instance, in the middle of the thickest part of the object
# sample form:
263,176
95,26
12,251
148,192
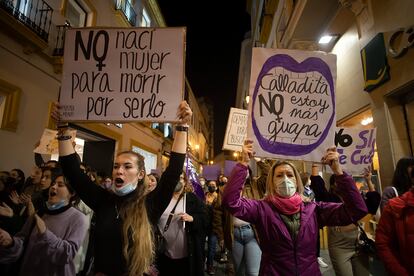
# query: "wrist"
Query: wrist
182,127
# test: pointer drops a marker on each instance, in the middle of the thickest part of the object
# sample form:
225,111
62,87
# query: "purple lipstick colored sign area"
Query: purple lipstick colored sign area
293,110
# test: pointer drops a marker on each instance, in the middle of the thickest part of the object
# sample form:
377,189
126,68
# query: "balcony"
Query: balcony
34,15
127,10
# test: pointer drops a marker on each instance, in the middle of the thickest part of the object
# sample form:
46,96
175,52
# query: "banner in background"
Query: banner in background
130,74
292,106
211,172
356,148
228,167
236,130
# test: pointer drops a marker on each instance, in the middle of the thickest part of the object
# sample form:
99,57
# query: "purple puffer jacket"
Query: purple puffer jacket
281,255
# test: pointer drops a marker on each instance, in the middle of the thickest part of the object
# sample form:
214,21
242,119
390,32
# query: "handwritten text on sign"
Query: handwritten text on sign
356,148
123,74
293,103
236,129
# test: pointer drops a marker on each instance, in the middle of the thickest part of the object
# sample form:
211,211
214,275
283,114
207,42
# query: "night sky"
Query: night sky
215,31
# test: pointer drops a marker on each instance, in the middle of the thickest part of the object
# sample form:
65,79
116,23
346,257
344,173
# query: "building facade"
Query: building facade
354,25
31,58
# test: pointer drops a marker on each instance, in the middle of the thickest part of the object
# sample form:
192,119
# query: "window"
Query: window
145,19
75,14
9,105
150,159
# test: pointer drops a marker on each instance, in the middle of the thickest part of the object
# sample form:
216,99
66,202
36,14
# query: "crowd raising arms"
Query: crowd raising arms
125,219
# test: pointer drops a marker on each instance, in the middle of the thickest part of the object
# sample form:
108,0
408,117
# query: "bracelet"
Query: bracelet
62,125
64,137
181,128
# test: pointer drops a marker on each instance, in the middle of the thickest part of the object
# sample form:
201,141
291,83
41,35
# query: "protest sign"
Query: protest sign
356,148
211,172
49,144
292,106
228,167
120,75
236,130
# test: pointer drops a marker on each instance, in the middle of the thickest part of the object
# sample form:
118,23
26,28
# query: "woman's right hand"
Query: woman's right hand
247,152
5,238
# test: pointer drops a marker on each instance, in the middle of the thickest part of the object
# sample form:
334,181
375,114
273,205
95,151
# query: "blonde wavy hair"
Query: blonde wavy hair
138,247
270,186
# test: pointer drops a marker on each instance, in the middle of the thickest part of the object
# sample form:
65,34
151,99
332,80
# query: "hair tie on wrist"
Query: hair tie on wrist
62,125
181,128
64,137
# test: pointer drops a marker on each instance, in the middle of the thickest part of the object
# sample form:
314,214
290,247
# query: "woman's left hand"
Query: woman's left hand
41,226
331,158
184,113
186,217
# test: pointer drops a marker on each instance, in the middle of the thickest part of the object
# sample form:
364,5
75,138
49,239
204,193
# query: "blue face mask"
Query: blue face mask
124,190
56,206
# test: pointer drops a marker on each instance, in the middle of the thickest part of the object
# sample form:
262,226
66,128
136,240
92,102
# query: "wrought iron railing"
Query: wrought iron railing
35,14
60,39
128,10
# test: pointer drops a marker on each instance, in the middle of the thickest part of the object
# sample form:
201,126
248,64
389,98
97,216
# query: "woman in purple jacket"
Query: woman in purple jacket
287,227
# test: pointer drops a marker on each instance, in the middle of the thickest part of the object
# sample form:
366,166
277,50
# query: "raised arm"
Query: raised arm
158,199
90,193
353,207
243,208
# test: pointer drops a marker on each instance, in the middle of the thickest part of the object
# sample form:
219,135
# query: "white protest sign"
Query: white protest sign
292,106
236,130
48,142
121,75
356,148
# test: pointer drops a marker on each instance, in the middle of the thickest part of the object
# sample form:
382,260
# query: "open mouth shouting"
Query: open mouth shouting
118,182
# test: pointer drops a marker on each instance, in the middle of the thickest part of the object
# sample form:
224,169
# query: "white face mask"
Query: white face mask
286,187
124,190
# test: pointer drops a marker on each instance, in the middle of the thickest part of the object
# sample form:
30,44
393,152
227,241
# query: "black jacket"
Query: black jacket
108,239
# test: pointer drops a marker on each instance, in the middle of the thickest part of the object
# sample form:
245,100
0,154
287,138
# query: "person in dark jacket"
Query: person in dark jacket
286,226
123,240
183,225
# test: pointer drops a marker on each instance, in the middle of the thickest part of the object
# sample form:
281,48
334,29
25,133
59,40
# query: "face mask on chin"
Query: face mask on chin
125,189
286,187
57,205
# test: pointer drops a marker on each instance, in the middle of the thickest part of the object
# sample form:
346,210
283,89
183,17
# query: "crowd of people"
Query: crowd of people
65,219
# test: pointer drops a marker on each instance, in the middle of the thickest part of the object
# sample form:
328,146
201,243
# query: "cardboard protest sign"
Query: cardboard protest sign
120,75
356,148
236,130
49,143
292,106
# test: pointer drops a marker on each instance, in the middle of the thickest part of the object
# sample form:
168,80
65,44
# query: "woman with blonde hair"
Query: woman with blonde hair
286,226
125,218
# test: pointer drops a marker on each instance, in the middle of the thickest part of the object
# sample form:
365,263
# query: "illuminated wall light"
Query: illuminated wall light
211,162
325,39
367,121
197,147
247,99
235,154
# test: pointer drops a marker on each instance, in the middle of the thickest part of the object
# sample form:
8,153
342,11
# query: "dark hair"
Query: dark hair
56,163
401,180
55,172
157,177
21,175
331,180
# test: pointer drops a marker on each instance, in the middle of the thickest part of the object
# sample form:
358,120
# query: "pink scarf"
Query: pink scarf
286,206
